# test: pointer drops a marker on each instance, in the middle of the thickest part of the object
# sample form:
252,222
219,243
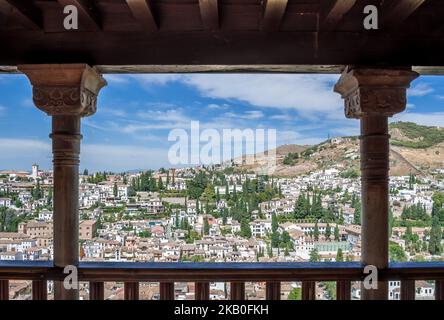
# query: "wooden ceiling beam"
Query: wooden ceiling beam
88,12
209,12
141,10
334,13
273,14
29,15
399,12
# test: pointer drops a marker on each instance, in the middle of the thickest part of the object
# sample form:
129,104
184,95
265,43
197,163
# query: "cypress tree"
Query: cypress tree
316,232
339,255
435,247
328,232
337,233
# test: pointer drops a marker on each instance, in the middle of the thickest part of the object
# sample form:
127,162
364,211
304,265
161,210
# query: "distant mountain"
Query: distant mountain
414,149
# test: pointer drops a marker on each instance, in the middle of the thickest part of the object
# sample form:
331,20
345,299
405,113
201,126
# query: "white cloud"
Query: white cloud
426,119
421,89
213,106
280,117
301,92
156,79
249,115
113,112
117,78
172,115
2,110
306,93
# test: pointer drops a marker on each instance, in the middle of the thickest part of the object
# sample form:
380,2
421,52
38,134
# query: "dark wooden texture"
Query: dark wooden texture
209,11
39,290
4,290
308,290
131,290
334,12
237,290
141,10
343,290
439,290
202,291
24,12
274,12
279,32
408,290
273,290
96,290
166,291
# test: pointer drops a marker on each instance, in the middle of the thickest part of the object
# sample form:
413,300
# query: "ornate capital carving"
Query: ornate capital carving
65,89
374,91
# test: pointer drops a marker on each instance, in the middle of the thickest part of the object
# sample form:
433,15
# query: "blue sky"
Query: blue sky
136,113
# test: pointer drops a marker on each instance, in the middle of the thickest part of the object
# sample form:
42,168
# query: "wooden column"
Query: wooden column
66,92
373,95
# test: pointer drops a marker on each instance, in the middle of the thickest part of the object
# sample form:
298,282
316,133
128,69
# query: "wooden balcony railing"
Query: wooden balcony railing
96,273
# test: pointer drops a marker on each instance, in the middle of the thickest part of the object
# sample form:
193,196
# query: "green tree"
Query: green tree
357,215
49,197
314,256
339,255
336,233
316,232
245,229
274,223
275,239
327,231
115,190
435,247
396,253
295,294
206,228
37,191
160,184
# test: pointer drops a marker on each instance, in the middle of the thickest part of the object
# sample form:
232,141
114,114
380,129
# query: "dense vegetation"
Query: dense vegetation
424,136
291,158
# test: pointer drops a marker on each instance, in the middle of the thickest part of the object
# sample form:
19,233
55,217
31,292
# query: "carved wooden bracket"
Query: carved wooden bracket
374,91
64,89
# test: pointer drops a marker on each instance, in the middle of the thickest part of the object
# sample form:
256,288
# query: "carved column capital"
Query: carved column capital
64,89
369,92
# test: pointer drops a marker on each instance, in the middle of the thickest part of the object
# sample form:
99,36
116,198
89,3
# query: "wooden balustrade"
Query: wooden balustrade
272,274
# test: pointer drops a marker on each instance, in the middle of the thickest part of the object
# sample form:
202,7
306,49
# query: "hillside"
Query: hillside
412,135
414,148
